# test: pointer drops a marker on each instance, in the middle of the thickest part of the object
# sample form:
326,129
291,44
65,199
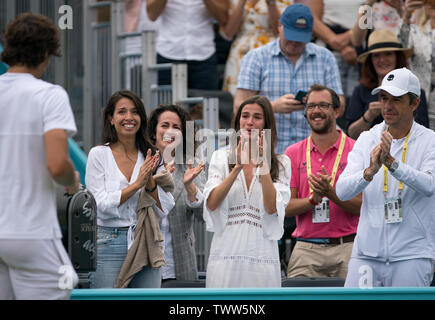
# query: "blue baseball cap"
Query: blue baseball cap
297,20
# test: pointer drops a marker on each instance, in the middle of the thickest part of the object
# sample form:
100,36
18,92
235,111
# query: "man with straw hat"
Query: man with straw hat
384,54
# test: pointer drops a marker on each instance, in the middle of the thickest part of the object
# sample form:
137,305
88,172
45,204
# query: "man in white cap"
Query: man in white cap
395,242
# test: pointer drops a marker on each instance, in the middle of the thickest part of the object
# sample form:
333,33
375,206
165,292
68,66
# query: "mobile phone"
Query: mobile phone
301,95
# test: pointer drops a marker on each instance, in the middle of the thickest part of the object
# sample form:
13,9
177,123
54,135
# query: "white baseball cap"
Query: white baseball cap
399,82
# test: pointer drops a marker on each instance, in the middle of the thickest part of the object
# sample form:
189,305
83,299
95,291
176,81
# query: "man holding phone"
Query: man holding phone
285,66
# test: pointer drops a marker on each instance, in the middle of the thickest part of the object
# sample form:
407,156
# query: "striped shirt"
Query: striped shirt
268,71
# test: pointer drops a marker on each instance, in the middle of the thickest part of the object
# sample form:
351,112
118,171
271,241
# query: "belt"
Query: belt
114,229
340,240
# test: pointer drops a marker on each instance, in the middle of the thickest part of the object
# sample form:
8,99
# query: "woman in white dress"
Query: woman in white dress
245,199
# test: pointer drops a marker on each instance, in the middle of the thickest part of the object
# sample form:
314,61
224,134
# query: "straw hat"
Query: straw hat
384,40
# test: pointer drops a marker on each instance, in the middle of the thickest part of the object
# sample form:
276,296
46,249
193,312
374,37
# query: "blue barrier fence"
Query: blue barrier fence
3,66
257,294
79,158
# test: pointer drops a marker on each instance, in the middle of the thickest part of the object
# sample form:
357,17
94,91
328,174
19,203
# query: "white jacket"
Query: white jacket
414,237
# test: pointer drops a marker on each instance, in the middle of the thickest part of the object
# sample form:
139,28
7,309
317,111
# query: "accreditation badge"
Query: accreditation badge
321,212
393,210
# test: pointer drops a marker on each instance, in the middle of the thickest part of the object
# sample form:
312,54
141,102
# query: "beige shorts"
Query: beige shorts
35,270
319,260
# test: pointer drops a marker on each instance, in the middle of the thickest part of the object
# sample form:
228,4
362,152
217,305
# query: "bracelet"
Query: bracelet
153,189
192,194
365,120
311,200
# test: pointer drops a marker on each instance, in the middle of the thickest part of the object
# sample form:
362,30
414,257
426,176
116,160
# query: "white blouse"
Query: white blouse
105,181
244,249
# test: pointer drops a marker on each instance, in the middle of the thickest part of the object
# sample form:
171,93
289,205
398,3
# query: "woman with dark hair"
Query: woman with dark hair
167,129
116,173
384,54
245,197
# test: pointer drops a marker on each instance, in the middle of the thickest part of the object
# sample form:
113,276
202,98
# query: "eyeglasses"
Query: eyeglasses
321,105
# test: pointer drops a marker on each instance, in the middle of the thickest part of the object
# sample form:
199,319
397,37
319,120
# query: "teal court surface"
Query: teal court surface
256,294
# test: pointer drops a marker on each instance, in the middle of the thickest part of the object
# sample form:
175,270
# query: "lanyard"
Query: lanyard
404,151
337,159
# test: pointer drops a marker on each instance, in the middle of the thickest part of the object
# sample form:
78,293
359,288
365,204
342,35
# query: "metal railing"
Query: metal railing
65,71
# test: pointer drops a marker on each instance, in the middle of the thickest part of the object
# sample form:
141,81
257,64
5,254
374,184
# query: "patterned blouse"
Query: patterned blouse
254,32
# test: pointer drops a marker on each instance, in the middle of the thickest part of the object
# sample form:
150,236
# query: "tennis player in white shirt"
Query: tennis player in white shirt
36,120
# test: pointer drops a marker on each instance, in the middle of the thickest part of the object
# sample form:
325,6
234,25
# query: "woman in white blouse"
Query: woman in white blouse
167,129
245,199
115,173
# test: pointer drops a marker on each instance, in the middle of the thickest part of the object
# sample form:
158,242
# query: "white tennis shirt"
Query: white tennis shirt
29,108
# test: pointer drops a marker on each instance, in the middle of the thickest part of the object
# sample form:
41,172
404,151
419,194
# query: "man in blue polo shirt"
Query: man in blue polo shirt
282,68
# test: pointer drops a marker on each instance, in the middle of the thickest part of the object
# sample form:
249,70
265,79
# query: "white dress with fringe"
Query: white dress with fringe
244,249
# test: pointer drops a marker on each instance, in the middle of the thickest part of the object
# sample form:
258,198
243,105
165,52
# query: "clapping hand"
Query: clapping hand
262,159
147,168
385,144
375,160
170,167
242,152
190,175
321,184
192,172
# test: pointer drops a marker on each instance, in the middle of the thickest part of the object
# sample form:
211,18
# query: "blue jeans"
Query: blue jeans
111,253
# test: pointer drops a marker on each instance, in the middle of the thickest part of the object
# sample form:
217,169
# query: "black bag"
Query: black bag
77,216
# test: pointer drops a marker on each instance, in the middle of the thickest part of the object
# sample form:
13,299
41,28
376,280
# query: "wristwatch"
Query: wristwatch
393,167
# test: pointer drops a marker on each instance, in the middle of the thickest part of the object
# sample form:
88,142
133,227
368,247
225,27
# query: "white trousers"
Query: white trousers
367,273
35,270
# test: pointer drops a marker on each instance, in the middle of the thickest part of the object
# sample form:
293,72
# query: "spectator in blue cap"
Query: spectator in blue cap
282,68
297,21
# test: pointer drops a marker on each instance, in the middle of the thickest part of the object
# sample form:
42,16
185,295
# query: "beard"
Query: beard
325,128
